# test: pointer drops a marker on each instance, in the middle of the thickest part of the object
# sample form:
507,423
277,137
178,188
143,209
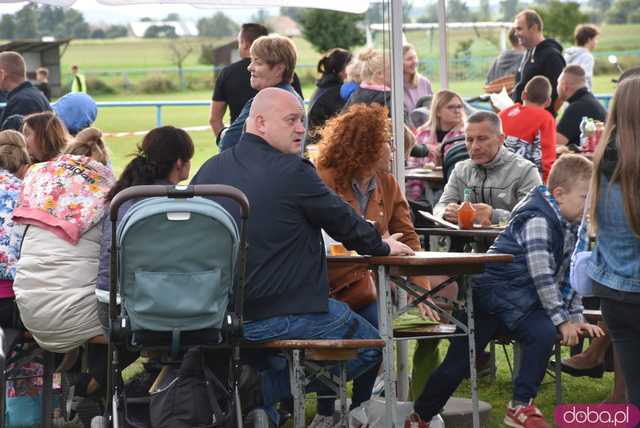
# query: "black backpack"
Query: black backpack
191,397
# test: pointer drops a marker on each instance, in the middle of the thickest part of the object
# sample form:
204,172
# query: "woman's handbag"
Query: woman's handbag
356,292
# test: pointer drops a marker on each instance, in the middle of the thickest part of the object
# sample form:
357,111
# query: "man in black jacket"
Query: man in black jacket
22,98
572,87
287,289
543,56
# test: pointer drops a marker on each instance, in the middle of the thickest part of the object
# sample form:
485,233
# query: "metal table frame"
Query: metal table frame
455,265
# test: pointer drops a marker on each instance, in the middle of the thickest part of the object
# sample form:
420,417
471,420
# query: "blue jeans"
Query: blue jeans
339,322
536,334
363,384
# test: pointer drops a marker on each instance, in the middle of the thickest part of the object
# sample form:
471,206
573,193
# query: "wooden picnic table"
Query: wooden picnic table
457,265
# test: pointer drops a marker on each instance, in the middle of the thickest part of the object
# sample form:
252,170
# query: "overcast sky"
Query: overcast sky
95,12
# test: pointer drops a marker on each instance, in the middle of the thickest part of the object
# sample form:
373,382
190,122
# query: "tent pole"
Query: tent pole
442,32
397,113
397,90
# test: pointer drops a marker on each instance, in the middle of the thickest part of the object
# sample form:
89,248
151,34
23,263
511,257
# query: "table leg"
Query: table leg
472,351
385,311
402,356
297,388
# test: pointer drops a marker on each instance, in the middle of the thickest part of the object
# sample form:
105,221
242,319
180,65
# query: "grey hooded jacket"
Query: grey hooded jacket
501,183
581,56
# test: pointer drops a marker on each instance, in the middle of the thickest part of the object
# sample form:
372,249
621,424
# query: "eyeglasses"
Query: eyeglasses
455,107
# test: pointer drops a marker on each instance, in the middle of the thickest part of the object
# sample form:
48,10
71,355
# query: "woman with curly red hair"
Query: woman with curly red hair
355,160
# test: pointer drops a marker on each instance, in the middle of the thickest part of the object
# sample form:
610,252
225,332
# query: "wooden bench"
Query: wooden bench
592,315
315,358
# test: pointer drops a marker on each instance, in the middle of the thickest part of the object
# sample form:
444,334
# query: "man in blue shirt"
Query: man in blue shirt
287,289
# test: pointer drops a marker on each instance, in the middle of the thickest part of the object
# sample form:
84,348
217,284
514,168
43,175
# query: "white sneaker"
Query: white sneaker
99,422
378,387
320,421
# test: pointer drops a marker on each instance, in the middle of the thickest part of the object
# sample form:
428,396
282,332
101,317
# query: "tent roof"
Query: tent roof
353,6
32,45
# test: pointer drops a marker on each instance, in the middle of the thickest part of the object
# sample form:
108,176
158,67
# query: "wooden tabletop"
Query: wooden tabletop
425,258
428,262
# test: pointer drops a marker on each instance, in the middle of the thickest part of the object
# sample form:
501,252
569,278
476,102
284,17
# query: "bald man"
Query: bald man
22,98
572,87
287,289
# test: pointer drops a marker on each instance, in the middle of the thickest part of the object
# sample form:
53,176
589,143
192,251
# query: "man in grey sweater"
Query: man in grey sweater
498,178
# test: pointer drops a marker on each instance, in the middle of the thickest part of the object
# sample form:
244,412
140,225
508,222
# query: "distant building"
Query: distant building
41,54
283,25
182,28
226,54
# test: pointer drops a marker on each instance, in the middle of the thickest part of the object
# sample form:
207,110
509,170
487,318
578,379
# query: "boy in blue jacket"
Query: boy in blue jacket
530,298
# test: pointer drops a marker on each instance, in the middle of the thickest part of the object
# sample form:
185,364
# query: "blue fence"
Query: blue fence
158,105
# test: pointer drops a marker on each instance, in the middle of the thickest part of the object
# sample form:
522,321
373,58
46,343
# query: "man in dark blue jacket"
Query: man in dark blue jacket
22,98
287,290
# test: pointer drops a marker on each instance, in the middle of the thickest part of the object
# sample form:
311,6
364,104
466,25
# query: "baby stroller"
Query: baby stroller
177,268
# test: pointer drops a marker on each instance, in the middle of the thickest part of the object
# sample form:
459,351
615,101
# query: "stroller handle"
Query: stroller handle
178,191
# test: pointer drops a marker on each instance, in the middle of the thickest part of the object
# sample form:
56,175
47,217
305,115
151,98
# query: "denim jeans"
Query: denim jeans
623,321
339,322
536,334
363,384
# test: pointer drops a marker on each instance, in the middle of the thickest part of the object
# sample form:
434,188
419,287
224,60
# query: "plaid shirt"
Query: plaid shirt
556,295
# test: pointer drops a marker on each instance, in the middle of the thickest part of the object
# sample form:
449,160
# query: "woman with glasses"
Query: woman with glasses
445,125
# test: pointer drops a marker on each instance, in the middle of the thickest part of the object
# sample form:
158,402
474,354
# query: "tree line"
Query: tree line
37,21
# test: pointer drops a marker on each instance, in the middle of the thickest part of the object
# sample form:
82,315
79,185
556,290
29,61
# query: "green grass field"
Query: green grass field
496,392
120,54
130,119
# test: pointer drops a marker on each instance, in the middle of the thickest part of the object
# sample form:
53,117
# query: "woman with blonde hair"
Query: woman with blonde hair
355,161
614,265
375,73
445,125
89,143
416,86
14,162
353,79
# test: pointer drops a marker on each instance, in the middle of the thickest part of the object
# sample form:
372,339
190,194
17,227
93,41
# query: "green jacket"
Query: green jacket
79,84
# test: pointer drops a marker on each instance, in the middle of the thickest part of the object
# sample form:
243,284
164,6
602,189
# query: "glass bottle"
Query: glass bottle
466,212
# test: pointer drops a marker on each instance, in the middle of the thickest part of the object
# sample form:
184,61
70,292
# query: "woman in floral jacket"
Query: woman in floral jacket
62,202
14,161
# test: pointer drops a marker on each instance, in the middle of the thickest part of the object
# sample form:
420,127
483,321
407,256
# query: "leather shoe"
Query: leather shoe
594,372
